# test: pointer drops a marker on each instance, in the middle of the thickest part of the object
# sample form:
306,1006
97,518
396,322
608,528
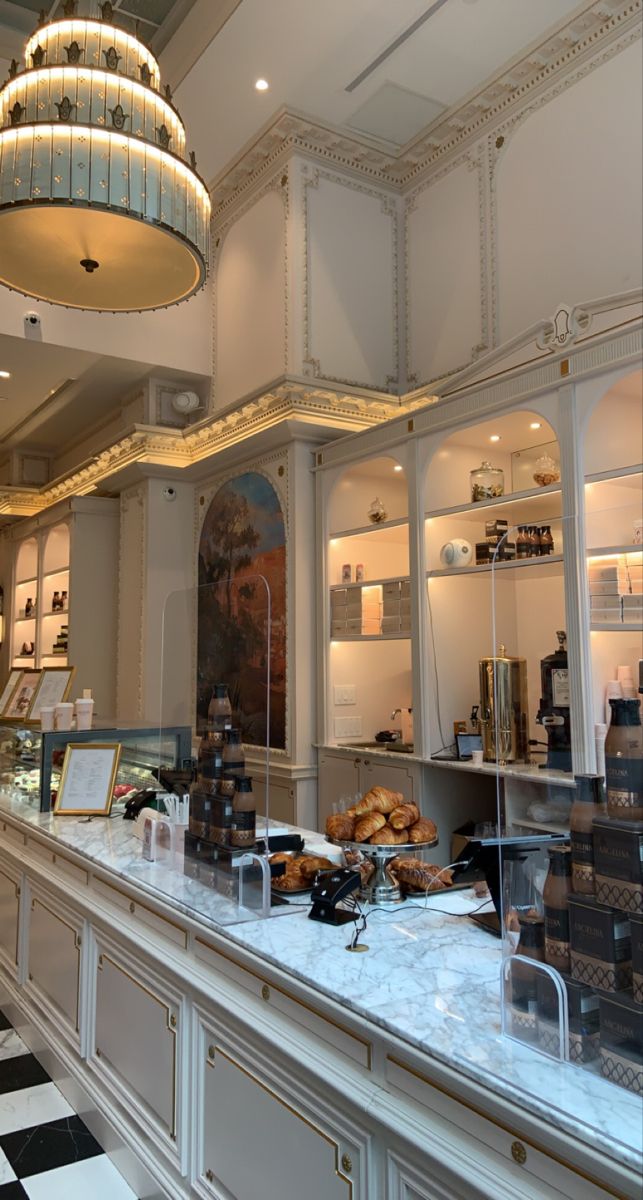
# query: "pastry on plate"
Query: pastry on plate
404,816
379,799
367,825
423,830
421,876
311,865
341,826
292,881
387,836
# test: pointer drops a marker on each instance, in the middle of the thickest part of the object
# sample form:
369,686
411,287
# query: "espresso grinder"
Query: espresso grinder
553,713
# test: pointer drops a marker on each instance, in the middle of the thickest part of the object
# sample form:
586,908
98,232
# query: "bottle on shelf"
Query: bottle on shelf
522,542
55,602
243,832
555,897
589,802
624,760
546,540
64,600
234,759
29,607
534,542
219,713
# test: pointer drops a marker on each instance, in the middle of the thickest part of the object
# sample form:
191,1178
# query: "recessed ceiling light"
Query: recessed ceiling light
536,425
262,85
495,437
5,374
397,467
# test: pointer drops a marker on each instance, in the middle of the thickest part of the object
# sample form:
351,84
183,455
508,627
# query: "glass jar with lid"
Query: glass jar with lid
487,482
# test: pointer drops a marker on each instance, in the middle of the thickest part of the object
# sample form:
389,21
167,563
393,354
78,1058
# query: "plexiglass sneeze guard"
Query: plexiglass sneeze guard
217,675
569,842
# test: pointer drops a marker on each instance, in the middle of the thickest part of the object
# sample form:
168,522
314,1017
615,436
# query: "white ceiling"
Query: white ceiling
312,53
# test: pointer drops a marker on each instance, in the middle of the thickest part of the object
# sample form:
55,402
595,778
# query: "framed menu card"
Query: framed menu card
53,687
88,777
10,687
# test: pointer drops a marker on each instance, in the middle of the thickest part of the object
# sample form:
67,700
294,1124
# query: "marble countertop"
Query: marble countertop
430,977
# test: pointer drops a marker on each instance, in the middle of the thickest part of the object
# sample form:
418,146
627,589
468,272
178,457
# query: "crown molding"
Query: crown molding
291,401
605,26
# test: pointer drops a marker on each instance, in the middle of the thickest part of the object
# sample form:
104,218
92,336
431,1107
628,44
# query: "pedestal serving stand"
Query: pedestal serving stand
380,889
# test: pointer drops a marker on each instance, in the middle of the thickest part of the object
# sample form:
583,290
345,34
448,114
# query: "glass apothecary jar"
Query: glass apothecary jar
487,482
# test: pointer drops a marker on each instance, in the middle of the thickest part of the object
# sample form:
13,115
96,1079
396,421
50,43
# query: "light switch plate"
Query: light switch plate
347,727
345,693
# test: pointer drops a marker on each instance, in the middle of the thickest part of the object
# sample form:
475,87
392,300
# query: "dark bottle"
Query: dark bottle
210,765
534,541
589,802
558,885
29,607
546,540
624,761
63,601
242,834
531,944
55,602
522,542
234,760
219,712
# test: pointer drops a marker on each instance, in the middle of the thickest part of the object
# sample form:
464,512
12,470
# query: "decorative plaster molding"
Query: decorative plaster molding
388,206
132,499
167,447
577,47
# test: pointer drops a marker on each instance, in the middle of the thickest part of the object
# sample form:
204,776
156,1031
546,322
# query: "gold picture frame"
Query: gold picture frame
52,689
19,703
13,679
87,780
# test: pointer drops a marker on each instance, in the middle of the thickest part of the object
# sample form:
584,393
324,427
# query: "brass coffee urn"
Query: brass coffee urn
504,721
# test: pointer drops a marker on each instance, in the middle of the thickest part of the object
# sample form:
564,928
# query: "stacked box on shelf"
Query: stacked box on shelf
352,613
616,590
396,606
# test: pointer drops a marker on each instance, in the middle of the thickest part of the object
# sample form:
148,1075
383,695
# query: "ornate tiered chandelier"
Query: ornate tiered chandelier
100,206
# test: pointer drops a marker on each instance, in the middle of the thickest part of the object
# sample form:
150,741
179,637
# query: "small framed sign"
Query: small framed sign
10,687
53,687
19,703
88,778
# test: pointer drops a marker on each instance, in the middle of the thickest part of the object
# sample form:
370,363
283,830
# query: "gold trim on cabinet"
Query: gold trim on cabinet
265,992
102,958
77,943
295,1000
518,1153
563,1162
284,1103
133,905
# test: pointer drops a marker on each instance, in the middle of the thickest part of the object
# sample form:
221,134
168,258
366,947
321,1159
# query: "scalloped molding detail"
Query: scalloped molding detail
265,465
167,447
579,46
388,206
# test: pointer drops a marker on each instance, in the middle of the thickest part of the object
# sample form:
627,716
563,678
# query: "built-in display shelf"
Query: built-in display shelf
609,551
528,771
23,620
618,627
516,564
57,612
24,582
544,826
378,527
618,473
58,571
369,637
365,583
472,508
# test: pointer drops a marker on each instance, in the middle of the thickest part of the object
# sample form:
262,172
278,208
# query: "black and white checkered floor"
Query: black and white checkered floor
46,1152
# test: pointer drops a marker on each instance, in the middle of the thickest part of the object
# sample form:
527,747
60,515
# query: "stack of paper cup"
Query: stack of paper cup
84,712
63,716
600,733
626,680
47,713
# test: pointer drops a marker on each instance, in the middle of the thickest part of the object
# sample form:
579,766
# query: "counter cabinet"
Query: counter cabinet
214,1066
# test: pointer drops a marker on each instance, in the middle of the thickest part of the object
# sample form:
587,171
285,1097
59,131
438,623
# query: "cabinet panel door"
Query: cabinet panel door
9,921
290,1155
54,959
375,772
337,779
136,1038
406,1181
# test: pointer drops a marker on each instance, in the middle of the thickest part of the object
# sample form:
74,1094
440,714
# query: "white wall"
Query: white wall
569,197
250,301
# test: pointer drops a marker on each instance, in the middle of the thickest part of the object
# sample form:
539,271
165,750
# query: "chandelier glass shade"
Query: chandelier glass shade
100,206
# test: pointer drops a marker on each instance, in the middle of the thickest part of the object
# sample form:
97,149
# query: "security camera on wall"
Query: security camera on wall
32,326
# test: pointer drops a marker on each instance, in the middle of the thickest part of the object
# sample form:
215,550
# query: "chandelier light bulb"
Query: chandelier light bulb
101,205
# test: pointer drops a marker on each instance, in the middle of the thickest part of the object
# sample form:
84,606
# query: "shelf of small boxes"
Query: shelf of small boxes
616,590
373,609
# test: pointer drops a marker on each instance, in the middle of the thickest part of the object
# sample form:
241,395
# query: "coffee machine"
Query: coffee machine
504,722
553,713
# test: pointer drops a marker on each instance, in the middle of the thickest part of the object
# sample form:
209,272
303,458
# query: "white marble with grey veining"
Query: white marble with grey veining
430,978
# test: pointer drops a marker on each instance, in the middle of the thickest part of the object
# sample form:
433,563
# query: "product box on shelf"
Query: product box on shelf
582,1013
392,590
621,1040
636,926
600,954
498,528
618,863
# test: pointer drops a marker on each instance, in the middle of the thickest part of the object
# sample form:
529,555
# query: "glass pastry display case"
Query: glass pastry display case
31,760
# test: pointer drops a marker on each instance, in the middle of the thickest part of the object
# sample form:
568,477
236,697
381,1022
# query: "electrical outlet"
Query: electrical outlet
345,693
347,727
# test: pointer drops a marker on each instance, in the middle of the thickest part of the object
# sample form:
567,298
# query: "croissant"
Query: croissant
340,826
368,825
420,875
404,816
387,836
424,830
310,866
292,881
379,799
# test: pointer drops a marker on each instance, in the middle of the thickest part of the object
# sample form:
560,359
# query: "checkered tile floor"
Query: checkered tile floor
46,1152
